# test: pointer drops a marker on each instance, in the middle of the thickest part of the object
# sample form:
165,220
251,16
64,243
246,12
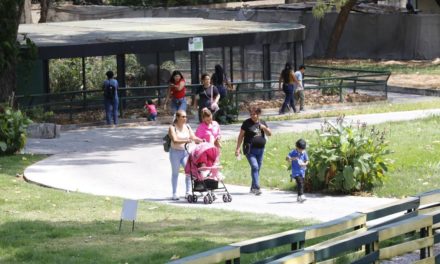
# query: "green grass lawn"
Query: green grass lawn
42,225
416,146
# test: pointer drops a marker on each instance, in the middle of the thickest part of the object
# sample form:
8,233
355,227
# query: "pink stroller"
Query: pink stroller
203,168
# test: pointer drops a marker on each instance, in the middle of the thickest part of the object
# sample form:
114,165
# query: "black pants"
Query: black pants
300,184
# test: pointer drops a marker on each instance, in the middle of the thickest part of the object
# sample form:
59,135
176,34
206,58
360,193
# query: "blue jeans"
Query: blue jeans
152,117
178,158
255,159
178,104
289,99
111,110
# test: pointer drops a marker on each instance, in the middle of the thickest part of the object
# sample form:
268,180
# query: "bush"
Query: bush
348,158
13,126
37,114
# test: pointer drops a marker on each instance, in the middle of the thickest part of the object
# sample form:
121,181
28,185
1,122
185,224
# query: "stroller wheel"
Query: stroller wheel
189,198
225,198
229,198
210,199
206,199
194,198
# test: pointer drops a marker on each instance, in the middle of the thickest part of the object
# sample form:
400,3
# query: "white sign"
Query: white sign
129,210
195,44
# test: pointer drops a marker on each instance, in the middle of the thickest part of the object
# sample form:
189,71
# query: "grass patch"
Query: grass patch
370,108
416,146
41,225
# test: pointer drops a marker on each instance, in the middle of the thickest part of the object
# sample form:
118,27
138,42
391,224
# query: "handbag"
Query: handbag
167,142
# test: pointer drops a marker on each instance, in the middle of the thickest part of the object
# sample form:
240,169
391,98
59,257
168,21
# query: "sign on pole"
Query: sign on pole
195,44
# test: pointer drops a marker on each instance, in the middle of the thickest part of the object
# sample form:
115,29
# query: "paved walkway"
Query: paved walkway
129,162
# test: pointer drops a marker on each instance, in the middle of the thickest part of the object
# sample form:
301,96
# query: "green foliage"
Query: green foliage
333,88
323,7
66,74
37,114
13,126
348,158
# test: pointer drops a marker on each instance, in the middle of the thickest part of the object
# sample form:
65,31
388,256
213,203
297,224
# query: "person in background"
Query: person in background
253,134
208,96
287,80
177,92
180,133
151,110
219,80
111,99
299,161
299,87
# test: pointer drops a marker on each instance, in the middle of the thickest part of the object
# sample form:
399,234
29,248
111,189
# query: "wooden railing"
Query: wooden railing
368,236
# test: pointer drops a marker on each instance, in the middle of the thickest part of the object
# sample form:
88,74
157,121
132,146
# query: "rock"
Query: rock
43,130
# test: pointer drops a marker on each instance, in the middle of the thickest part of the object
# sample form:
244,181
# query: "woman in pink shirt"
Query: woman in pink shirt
209,130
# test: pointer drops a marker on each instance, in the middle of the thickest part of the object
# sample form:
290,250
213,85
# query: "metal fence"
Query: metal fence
327,80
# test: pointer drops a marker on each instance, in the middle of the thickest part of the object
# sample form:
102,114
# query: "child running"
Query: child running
299,159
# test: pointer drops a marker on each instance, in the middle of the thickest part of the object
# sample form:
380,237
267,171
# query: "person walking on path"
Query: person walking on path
177,92
299,161
208,96
209,129
253,134
111,99
287,80
299,88
181,134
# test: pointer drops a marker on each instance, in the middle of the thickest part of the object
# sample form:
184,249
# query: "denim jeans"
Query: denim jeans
111,110
289,99
255,159
152,117
178,158
178,104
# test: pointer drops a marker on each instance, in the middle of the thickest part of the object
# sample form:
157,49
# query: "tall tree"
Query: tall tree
10,12
44,4
344,7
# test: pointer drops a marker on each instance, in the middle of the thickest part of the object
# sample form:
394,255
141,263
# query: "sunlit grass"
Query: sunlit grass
416,146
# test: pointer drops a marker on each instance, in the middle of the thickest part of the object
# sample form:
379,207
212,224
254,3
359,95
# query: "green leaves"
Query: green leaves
348,157
13,126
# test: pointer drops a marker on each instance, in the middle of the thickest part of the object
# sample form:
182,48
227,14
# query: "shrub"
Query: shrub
348,158
13,126
37,114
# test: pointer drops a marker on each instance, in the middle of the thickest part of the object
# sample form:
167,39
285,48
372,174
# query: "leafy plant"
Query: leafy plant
333,88
37,114
348,158
13,126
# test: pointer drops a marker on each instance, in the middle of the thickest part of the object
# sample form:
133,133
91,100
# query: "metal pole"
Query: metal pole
84,83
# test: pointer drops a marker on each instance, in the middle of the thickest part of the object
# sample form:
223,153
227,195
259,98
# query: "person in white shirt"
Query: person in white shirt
299,89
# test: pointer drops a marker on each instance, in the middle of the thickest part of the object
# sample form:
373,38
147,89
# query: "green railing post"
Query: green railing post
70,108
355,83
340,91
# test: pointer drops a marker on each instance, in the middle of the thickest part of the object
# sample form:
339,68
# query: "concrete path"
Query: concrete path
129,162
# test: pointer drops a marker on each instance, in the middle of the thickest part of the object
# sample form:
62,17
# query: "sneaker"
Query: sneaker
252,190
175,198
301,198
258,192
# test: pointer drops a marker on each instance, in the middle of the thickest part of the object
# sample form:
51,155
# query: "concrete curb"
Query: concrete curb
408,90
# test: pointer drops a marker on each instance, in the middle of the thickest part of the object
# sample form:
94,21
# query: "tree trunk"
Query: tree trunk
44,4
7,74
338,29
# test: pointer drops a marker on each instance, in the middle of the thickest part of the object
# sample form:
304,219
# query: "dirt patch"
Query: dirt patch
425,81
314,98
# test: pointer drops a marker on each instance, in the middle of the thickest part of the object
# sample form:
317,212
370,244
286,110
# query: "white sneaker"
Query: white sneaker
301,198
175,198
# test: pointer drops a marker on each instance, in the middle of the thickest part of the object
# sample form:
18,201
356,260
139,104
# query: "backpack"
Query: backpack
109,91
167,140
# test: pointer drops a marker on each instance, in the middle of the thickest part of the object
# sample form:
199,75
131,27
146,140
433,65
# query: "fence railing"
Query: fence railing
77,101
363,237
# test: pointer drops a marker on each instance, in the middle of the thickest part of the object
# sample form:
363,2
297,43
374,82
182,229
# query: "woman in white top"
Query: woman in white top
181,134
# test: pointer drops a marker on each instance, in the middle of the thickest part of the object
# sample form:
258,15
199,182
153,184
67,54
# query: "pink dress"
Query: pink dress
208,132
